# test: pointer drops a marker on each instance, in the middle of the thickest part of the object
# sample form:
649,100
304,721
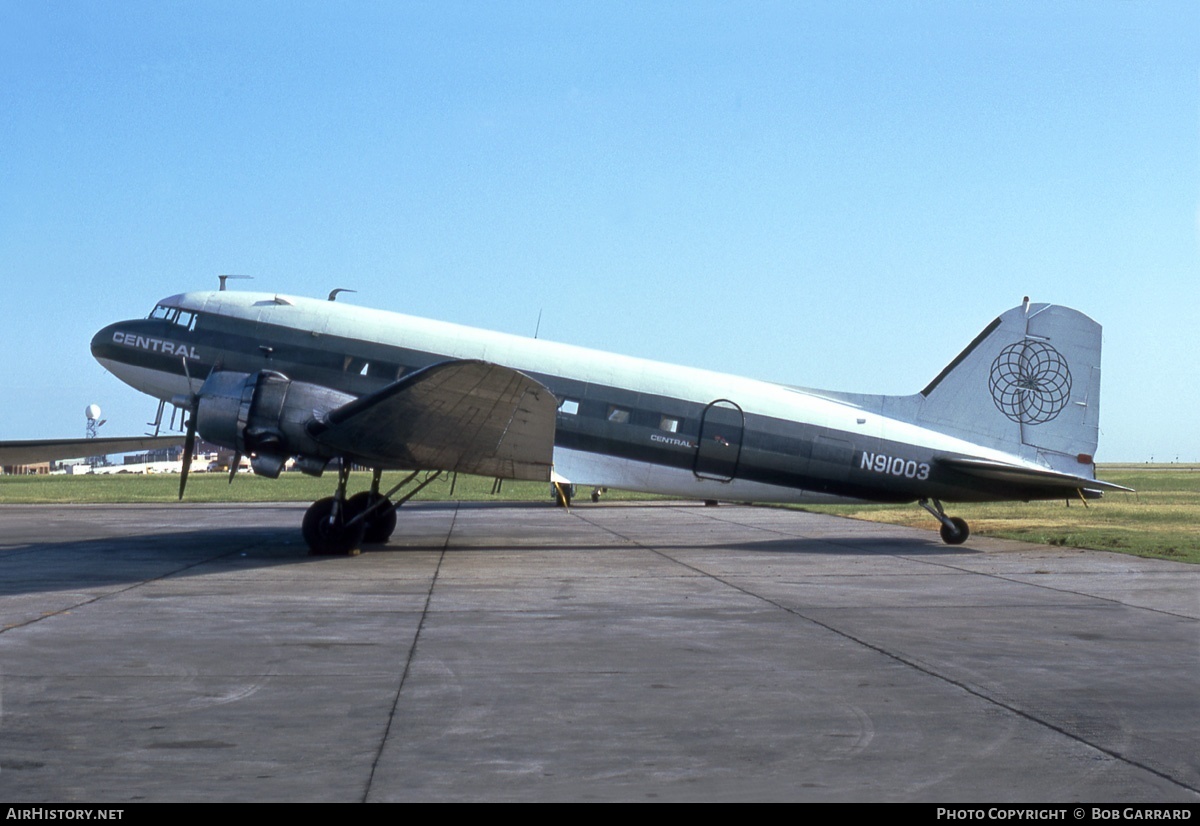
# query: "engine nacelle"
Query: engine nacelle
263,415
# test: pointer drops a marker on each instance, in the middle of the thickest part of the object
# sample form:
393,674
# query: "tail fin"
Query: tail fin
1029,384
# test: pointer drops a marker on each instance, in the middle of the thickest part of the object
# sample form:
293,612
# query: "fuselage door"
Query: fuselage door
720,444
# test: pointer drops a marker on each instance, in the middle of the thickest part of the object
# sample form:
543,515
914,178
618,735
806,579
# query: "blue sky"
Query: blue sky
828,194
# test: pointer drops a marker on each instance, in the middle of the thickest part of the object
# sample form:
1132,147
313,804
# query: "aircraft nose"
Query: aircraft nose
106,343
99,340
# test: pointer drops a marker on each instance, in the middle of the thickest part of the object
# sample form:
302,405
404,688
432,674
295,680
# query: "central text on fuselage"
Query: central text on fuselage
894,466
155,345
670,440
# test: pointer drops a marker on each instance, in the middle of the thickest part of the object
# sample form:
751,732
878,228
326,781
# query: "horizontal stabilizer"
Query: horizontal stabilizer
462,416
31,451
1025,476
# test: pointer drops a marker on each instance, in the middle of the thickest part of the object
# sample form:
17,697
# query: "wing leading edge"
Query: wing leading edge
31,451
463,416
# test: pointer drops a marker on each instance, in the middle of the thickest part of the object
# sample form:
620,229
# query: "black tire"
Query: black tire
563,494
956,535
379,526
325,536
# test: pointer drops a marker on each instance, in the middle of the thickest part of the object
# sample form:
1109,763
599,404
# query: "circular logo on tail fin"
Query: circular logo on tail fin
1030,382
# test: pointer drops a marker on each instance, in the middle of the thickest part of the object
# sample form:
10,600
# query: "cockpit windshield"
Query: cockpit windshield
184,318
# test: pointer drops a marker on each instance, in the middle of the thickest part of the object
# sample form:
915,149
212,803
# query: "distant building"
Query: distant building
36,469
167,455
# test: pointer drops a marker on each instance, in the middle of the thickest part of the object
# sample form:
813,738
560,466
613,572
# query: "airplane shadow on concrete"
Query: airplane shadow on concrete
141,555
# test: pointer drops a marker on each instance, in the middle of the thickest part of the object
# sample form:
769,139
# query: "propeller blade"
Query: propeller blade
189,447
233,466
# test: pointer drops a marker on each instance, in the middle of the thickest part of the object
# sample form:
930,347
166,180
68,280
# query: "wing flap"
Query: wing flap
32,451
1019,475
463,416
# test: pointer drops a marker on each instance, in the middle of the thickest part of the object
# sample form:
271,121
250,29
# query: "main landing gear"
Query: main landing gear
339,525
564,493
954,530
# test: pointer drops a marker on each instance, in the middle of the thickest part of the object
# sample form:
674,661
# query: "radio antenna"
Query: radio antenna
224,278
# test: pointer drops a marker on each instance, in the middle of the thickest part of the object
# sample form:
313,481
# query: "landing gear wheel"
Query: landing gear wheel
563,494
382,526
378,527
956,535
324,535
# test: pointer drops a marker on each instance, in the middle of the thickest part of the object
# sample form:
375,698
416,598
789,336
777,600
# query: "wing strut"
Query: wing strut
383,501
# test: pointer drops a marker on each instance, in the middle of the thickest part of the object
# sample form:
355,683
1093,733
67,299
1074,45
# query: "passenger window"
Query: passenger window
669,424
569,407
618,415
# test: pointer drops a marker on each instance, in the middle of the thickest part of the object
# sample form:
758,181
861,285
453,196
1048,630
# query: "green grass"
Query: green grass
1161,520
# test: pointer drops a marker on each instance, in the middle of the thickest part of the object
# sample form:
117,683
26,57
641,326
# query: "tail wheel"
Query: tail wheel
957,532
327,535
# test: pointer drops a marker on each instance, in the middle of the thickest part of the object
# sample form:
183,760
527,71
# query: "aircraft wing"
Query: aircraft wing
464,416
31,451
1019,475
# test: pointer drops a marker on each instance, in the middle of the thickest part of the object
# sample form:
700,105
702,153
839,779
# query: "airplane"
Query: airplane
326,384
